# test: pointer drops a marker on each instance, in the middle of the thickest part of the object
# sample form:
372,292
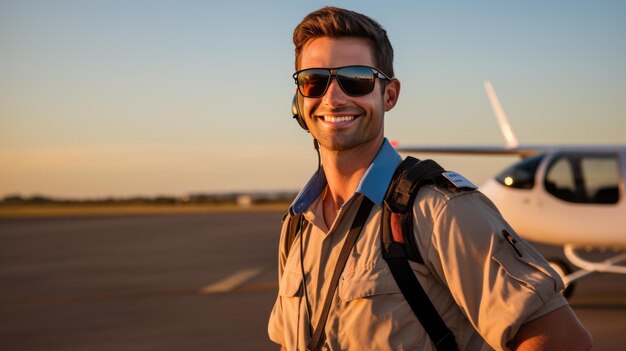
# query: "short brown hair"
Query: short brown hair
334,22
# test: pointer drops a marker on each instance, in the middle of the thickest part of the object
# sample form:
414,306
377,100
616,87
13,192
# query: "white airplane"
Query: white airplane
570,196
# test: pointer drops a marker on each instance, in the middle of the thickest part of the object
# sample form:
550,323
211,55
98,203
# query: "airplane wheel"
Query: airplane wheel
563,269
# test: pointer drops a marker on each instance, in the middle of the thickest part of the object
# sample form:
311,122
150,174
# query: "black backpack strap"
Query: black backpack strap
397,221
294,224
398,244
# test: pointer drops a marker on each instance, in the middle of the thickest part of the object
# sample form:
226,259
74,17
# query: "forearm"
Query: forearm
557,330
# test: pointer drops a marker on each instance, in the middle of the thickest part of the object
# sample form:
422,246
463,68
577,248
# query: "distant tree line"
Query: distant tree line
198,198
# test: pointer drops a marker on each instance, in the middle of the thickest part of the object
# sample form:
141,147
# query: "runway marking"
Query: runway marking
233,281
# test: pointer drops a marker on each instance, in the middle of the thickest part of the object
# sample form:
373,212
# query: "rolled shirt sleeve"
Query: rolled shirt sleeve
498,280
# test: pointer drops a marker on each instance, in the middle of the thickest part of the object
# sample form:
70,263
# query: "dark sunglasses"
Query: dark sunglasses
353,80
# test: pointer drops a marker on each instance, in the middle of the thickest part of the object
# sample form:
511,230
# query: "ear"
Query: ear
392,91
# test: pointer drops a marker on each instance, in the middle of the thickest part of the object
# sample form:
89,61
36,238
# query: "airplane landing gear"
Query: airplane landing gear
587,267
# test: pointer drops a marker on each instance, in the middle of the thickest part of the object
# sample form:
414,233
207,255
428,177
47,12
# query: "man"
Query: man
485,290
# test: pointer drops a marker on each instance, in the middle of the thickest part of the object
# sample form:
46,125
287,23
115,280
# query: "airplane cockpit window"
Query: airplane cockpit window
560,180
522,174
584,178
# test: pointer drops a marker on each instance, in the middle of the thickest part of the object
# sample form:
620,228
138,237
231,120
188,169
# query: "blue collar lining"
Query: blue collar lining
373,185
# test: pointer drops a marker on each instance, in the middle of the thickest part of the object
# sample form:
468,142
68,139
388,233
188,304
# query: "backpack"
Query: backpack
398,242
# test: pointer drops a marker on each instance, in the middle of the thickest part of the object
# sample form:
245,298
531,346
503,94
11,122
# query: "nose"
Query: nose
335,96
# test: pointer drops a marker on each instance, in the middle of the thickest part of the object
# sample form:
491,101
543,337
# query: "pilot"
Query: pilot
490,288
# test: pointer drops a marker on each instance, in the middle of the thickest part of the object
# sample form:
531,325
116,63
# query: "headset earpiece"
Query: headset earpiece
295,111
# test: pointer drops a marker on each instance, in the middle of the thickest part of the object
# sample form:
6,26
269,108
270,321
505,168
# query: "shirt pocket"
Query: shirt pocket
372,314
527,266
368,283
290,285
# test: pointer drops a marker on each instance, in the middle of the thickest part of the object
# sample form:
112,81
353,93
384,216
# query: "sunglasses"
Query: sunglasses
353,80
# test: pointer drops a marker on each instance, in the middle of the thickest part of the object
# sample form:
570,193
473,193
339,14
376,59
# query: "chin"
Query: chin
340,145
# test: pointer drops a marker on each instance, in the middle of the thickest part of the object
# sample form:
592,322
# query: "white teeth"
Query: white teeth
338,119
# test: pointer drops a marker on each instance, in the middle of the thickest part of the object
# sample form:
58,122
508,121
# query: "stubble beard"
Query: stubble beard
338,141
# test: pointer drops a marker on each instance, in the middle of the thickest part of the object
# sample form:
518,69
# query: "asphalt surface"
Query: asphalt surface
177,282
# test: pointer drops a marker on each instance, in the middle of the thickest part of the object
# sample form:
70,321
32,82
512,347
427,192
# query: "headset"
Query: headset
295,110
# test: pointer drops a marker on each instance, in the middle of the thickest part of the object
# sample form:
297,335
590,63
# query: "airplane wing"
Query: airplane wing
523,151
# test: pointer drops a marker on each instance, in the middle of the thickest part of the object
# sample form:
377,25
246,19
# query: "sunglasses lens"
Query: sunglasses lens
356,80
313,82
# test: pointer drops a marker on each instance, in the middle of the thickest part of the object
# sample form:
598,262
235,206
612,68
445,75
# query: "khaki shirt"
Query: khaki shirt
483,286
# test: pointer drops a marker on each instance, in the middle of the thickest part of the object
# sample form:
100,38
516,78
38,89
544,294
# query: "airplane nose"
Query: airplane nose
493,190
488,187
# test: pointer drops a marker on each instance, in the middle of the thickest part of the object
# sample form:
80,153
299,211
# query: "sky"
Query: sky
126,98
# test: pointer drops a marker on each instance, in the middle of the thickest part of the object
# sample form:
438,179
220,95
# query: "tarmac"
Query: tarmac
178,282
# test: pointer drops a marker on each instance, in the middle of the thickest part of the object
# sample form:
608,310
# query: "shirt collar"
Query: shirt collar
373,185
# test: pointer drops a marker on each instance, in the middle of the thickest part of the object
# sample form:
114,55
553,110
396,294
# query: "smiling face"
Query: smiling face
339,121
